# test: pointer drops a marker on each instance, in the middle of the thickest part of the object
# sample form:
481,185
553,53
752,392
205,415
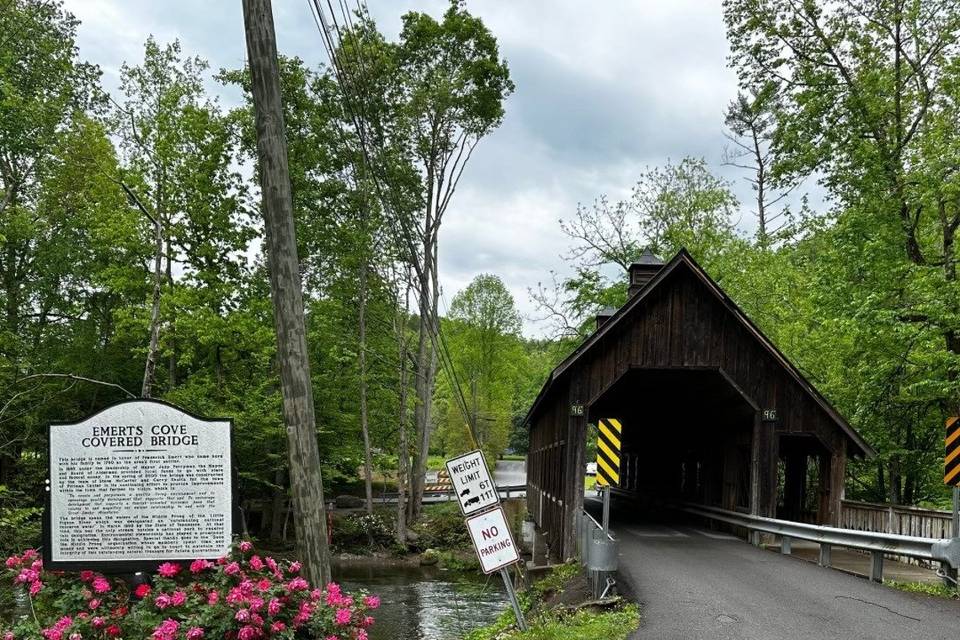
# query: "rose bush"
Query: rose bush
241,596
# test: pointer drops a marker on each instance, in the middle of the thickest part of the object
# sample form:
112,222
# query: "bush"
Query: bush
441,527
362,530
241,597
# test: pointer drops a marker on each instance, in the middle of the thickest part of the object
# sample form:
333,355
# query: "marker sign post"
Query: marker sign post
472,483
477,495
137,484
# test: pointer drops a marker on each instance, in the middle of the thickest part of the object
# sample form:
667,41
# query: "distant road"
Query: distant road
510,473
696,584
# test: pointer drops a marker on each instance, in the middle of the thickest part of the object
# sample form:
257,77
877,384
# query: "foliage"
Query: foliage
363,531
938,589
559,624
241,595
441,527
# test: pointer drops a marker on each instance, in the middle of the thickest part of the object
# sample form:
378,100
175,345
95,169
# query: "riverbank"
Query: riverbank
561,607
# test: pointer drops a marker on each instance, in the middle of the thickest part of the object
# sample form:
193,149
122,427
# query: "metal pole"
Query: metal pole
952,573
606,508
508,583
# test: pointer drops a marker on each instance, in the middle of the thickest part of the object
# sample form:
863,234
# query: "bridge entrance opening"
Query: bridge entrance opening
687,436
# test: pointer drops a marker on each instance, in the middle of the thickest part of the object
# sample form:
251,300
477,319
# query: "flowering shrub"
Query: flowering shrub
239,597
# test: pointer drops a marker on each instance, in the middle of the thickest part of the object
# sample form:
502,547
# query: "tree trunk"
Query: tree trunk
423,390
403,450
279,501
172,360
150,369
364,427
306,484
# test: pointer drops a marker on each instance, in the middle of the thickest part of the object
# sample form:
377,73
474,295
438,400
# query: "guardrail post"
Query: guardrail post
785,545
825,550
876,566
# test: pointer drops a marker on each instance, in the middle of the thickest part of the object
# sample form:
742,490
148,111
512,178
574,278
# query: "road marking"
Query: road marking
716,536
666,533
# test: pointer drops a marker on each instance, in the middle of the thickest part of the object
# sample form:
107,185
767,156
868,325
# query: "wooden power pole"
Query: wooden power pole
306,484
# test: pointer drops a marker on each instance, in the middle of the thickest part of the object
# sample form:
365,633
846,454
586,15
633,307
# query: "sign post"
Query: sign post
608,462
139,483
486,522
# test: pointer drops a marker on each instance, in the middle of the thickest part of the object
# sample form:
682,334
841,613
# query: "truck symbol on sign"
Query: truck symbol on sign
465,492
471,501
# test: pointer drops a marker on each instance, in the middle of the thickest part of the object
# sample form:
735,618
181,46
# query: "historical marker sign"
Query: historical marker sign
140,482
492,540
471,482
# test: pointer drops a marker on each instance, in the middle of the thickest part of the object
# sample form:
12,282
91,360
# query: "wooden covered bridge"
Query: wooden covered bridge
711,412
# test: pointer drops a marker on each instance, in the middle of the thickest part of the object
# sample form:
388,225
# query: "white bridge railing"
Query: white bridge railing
943,550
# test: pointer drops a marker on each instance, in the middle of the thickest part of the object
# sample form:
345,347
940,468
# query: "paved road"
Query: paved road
509,473
698,584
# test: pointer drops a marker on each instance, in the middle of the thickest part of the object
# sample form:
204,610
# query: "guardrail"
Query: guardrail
506,492
946,551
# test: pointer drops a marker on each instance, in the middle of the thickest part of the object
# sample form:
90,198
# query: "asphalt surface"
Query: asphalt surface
696,584
508,473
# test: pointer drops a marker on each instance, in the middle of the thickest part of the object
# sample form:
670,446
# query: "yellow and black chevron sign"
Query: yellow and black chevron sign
608,452
951,461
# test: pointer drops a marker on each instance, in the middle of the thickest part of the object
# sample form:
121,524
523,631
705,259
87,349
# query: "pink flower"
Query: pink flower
52,634
263,584
200,565
255,603
231,569
212,598
294,567
371,602
35,587
166,630
342,616
30,554
362,634
168,569
179,597
273,607
76,636
194,633
256,563
26,575
98,622
101,584
316,594
94,603
242,615
86,576
298,584
278,627
245,546
12,562
8,636
367,622
249,633
272,564
163,601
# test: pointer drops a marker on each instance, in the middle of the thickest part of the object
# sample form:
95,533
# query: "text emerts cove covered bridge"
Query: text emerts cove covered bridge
711,411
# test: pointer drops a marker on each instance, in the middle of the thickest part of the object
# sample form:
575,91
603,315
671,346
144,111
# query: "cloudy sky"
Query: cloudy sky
603,90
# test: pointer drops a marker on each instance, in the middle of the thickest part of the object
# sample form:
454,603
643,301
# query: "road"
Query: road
699,584
510,473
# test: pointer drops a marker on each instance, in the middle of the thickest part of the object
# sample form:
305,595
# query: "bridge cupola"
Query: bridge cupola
642,271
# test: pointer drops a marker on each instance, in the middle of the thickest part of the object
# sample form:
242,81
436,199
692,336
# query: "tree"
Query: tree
484,332
749,120
679,205
453,86
865,94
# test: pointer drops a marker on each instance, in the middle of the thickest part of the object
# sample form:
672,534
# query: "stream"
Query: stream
425,603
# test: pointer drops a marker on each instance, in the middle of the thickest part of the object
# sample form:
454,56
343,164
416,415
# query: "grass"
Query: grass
610,624
589,482
938,590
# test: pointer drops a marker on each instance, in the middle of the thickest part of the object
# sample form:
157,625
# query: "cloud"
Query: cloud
603,90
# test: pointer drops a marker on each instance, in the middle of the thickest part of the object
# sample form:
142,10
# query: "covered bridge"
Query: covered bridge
711,411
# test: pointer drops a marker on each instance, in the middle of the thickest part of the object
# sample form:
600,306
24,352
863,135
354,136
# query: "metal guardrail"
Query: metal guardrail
946,550
506,491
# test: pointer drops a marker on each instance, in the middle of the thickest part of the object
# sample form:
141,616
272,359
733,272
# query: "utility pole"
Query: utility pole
306,485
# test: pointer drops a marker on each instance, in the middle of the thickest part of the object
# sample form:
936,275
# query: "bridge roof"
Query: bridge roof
683,260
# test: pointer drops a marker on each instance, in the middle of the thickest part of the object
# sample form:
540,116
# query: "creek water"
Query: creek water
425,603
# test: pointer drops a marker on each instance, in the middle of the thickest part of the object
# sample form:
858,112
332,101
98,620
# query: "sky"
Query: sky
603,91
